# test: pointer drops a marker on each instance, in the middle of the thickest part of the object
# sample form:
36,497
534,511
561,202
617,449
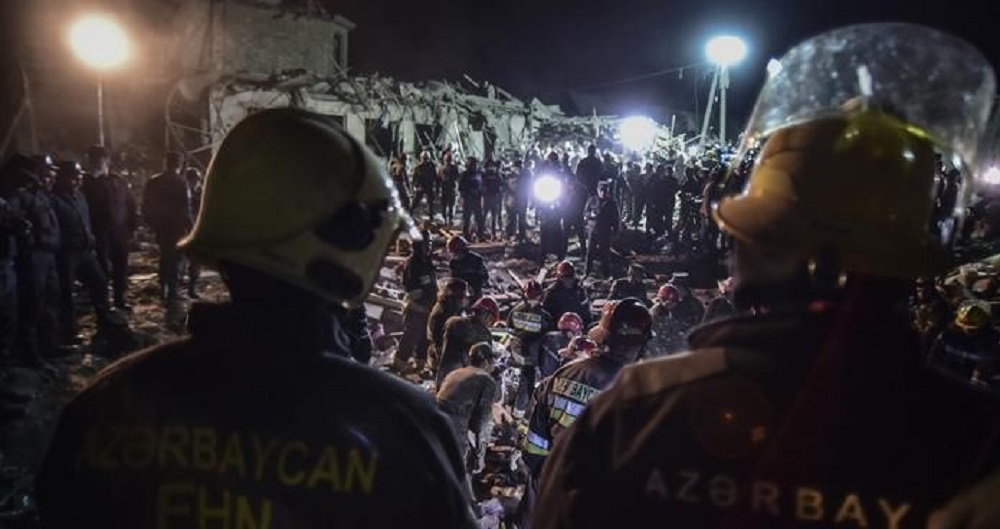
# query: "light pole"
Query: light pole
723,52
102,45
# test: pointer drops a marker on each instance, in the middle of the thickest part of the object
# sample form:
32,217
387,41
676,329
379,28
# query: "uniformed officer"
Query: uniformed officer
462,332
568,327
818,410
251,421
530,322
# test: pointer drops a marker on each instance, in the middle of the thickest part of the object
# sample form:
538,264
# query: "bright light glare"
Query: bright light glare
692,151
726,51
992,176
547,189
773,67
638,133
99,42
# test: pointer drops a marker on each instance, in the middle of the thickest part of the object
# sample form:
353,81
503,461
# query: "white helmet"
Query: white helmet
290,194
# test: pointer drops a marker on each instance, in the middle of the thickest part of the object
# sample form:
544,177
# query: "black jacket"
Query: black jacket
420,283
602,215
530,324
36,206
251,414
112,206
801,419
425,177
166,207
469,266
560,299
74,221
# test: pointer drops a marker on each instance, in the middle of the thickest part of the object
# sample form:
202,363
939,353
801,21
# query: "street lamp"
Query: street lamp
723,52
102,45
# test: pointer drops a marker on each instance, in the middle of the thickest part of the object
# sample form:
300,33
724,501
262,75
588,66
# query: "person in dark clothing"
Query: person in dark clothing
817,410
574,212
76,258
969,348
931,313
462,332
630,287
549,190
602,222
113,219
448,182
530,323
467,396
37,276
253,414
351,334
721,306
660,201
468,266
567,295
420,284
590,170
470,187
550,359
518,198
493,197
452,298
424,184
166,207
193,178
14,227
397,170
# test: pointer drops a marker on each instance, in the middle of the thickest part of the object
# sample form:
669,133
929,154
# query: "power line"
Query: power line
641,77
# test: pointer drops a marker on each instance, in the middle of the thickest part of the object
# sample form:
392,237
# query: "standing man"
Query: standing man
470,186
493,197
467,265
420,283
590,170
195,188
602,223
518,197
113,218
166,207
448,182
530,322
424,184
255,420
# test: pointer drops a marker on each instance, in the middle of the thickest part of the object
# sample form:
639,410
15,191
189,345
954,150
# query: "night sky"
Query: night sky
551,48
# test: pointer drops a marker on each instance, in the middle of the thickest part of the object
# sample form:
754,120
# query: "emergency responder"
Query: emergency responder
669,332
631,286
559,401
530,322
492,198
397,170
970,347
579,347
195,188
574,212
166,207
470,188
661,199
113,219
690,197
424,184
265,374
568,327
76,258
420,284
467,265
590,170
566,294
817,410
452,298
448,182
602,222
37,276
467,396
462,332
518,197
930,311
721,305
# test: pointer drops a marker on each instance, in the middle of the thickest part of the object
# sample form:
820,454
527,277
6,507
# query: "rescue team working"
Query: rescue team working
247,456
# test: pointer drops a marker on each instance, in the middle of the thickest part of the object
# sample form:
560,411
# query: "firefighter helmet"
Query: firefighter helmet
487,304
292,195
972,317
457,244
582,345
570,322
532,290
565,269
668,293
624,323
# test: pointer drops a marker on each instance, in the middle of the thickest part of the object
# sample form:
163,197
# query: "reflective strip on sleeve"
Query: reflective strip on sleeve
536,444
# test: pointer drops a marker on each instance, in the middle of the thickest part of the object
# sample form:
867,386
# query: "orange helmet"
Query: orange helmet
487,304
565,269
570,322
668,293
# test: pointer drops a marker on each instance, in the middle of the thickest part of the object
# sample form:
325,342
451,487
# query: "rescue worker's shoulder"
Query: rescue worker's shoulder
652,377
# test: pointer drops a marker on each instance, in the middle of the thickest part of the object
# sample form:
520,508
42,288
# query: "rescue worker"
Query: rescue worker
462,332
76,258
467,265
631,286
931,313
113,219
420,284
193,178
452,298
661,200
578,348
37,276
424,184
721,305
492,198
590,170
568,327
262,381
166,207
448,182
470,187
518,197
817,410
969,348
530,322
669,331
397,170
566,294
602,222
467,396
561,398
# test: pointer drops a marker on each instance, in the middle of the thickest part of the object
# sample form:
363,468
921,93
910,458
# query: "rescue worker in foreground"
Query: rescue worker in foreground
568,327
462,332
467,265
818,410
420,284
566,294
467,396
621,334
530,322
252,421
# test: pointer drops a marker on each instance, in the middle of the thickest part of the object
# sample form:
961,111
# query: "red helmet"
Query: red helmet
623,323
532,290
668,293
487,304
582,345
570,322
457,244
565,269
